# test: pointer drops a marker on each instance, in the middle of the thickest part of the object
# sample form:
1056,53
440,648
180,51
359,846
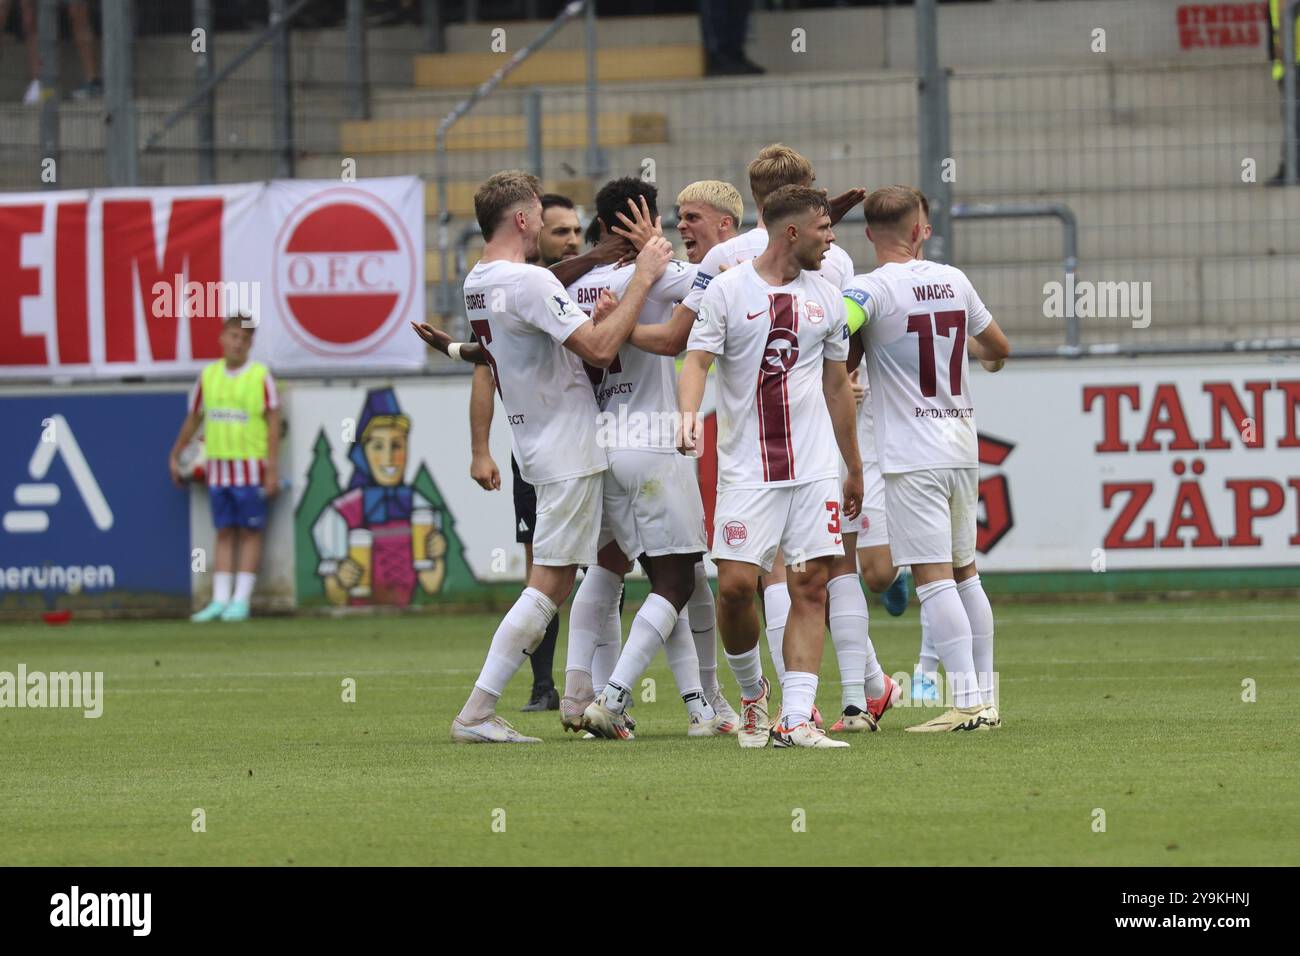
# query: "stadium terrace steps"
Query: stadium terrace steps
559,130
1206,298
556,67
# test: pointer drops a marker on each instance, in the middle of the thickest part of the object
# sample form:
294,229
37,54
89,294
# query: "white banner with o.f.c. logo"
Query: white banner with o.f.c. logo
114,282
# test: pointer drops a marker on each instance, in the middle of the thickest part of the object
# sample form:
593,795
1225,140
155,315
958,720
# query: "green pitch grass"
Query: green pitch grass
1133,709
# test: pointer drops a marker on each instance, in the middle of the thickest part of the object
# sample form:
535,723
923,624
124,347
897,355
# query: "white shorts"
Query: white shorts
869,525
652,504
749,524
568,521
932,516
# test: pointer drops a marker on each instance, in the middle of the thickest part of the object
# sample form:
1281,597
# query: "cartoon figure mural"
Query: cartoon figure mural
380,540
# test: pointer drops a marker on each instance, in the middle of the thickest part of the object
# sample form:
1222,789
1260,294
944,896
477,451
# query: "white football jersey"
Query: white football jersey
521,316
639,388
837,266
773,425
919,315
866,416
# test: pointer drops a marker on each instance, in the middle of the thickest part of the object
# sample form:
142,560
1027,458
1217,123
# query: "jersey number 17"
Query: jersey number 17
925,326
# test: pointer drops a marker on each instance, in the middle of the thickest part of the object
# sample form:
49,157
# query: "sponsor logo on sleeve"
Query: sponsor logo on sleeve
702,280
859,296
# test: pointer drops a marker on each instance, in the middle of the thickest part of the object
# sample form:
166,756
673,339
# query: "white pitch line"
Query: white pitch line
1179,618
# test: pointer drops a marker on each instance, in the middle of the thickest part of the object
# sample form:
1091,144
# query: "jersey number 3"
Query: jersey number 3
925,326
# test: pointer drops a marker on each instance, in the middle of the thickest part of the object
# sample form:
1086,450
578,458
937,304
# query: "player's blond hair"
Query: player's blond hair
776,166
499,193
723,197
892,208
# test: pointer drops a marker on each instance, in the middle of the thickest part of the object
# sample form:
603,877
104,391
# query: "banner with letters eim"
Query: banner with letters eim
136,281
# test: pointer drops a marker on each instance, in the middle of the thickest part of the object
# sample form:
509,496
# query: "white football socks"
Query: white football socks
776,608
943,619
798,691
748,670
518,635
588,625
980,614
928,661
703,617
223,583
680,651
651,628
609,646
860,673
244,582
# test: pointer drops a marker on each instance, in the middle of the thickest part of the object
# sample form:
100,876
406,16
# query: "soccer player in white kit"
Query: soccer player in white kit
536,340
651,508
866,690
918,318
777,332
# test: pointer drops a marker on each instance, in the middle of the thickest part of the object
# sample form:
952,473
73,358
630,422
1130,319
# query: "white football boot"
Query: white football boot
755,727
571,709
955,718
603,722
803,735
991,713
722,707
494,730
717,726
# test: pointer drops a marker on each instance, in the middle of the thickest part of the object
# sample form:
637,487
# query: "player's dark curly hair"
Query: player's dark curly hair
613,197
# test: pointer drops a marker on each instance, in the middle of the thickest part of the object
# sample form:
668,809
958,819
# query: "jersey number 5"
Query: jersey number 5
483,332
943,323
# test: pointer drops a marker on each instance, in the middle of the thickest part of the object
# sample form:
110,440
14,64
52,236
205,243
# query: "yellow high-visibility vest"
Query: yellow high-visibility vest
1275,17
234,412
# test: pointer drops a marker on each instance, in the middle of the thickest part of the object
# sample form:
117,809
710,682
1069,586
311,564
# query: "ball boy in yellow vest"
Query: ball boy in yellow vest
235,401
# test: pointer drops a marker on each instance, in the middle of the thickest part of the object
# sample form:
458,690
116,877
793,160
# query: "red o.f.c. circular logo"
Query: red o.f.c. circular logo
344,273
734,532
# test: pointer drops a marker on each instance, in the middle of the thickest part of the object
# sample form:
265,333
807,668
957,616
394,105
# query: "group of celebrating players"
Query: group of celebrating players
825,471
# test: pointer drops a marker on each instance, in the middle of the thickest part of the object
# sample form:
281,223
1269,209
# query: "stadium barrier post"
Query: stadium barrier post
47,39
533,115
1289,92
433,38
205,112
358,68
596,165
281,93
932,128
119,99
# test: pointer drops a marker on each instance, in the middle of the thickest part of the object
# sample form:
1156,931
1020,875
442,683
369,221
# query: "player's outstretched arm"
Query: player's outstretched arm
690,393
438,339
666,338
839,402
598,343
611,248
991,347
481,406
